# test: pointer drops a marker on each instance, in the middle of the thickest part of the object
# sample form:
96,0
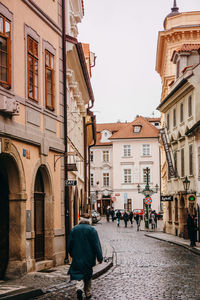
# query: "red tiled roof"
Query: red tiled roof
147,130
112,127
188,47
153,119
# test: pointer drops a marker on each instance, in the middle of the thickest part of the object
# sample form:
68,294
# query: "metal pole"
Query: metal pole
66,202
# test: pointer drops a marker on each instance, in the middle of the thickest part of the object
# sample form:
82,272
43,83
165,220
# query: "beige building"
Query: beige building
177,63
32,134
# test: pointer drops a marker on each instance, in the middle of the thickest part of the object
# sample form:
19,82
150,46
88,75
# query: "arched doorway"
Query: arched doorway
4,218
39,216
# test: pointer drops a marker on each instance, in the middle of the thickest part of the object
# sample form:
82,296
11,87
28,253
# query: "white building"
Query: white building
119,159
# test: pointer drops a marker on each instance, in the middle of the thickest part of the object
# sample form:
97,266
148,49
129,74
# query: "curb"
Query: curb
103,270
22,294
194,250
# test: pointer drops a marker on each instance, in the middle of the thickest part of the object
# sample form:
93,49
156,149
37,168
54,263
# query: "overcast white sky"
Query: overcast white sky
123,35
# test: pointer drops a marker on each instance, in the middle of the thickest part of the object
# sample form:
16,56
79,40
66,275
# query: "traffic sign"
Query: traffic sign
148,200
71,182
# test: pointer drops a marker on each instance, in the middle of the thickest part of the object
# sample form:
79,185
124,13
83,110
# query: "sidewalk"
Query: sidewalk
37,283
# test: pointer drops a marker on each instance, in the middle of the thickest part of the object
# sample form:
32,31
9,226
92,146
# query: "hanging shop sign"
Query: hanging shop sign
71,182
167,152
166,198
192,198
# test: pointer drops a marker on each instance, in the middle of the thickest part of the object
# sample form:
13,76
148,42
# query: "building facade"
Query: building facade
177,63
120,158
32,120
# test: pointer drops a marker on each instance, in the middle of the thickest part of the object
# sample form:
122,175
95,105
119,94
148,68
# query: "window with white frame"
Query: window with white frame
127,176
92,179
92,156
144,175
190,106
106,179
127,150
105,156
146,150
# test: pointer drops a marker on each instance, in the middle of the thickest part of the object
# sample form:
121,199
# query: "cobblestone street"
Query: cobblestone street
144,268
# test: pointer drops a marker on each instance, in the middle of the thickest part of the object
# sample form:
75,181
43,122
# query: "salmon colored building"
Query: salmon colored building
33,135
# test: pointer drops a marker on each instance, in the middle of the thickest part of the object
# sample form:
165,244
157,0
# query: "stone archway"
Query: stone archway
43,204
14,203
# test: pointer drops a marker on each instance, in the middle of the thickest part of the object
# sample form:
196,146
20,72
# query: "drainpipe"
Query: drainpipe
87,157
90,146
66,201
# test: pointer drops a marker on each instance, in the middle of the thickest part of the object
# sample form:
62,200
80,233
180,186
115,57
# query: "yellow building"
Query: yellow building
32,135
176,64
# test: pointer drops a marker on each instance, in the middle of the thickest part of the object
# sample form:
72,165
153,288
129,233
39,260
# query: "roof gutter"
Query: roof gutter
81,56
181,83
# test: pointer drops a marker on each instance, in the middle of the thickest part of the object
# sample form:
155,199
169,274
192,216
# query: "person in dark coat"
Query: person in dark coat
137,218
125,217
118,215
131,218
84,248
191,230
112,213
108,214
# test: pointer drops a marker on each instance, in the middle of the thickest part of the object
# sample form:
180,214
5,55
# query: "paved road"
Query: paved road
144,269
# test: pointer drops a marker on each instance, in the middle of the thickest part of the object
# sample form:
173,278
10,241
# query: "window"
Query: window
191,159
92,179
137,129
174,117
127,175
144,174
170,211
176,210
190,106
5,52
181,113
127,150
146,150
49,80
167,122
177,68
106,179
175,164
105,156
32,48
91,156
182,163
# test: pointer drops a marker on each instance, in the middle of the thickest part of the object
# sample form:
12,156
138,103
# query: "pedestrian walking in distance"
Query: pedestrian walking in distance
84,247
108,214
112,214
153,223
131,218
125,217
137,218
118,215
191,230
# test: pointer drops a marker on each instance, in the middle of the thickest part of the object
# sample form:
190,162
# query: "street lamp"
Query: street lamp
147,191
186,184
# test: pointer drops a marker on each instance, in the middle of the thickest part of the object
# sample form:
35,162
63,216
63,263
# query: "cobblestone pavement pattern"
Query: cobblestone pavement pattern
144,269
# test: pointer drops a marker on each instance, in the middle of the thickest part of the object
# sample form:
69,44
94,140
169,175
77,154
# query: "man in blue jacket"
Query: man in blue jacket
84,247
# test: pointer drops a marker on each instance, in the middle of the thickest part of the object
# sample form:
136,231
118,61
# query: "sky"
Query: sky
123,35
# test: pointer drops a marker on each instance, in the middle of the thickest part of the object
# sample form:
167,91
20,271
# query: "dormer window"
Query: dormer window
137,129
105,135
177,68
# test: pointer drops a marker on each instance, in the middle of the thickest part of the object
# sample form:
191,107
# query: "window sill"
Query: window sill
190,118
146,155
127,156
128,183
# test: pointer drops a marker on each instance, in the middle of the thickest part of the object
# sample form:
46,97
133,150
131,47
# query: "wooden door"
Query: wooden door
4,224
39,225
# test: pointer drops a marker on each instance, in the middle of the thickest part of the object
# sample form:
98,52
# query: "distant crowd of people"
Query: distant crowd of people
129,216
